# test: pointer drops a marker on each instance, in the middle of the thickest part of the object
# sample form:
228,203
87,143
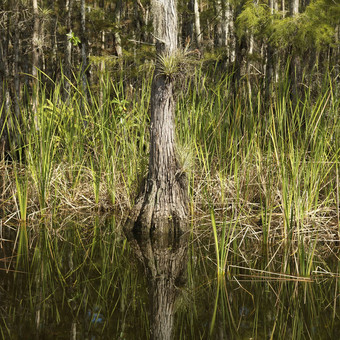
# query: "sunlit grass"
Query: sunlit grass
265,172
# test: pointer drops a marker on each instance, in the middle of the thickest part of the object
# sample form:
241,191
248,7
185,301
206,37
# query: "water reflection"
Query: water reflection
86,281
164,259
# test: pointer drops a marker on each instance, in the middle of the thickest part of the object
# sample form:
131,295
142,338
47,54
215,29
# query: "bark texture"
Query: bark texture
68,48
162,204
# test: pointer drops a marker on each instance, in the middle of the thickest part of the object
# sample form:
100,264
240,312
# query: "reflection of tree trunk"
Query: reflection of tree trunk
164,259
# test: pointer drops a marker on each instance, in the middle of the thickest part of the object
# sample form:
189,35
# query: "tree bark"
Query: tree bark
102,62
295,60
68,48
35,57
198,33
270,66
294,9
16,47
187,22
4,94
35,39
83,50
163,204
118,41
218,38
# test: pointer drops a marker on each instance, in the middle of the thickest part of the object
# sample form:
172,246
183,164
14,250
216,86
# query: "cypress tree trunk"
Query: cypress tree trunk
295,60
218,38
102,62
294,7
54,43
83,49
35,57
118,41
163,203
198,33
4,91
68,48
16,47
270,60
187,22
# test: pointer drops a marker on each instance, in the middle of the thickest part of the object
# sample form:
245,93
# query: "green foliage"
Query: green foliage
73,38
285,32
254,18
315,27
320,20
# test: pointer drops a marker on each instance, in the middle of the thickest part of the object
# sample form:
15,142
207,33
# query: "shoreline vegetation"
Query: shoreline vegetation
264,170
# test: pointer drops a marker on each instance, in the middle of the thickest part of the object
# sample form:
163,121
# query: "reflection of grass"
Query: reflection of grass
82,273
265,295
76,271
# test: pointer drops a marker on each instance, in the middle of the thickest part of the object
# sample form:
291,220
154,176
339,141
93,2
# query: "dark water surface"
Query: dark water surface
88,281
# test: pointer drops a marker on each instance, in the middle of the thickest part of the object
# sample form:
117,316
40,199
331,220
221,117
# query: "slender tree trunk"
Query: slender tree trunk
232,39
35,58
218,38
294,9
54,43
42,61
198,33
35,39
240,51
83,48
269,61
283,8
102,62
118,41
225,23
187,22
295,60
4,94
68,48
163,204
16,47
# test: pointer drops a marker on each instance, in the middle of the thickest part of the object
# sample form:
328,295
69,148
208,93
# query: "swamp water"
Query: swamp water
88,281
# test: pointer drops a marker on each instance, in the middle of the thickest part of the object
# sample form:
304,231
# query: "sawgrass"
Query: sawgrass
264,171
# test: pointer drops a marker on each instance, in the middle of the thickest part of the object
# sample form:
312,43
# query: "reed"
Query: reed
265,171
